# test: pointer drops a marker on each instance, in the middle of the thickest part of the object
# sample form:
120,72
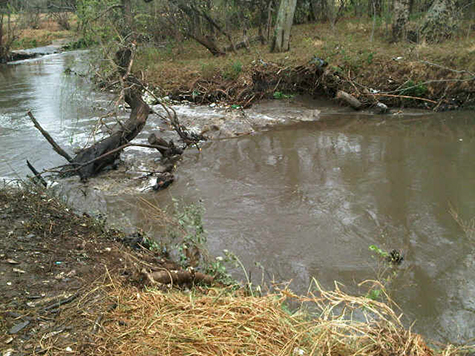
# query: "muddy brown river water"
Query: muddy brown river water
305,199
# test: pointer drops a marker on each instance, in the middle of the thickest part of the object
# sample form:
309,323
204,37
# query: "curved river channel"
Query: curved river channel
304,199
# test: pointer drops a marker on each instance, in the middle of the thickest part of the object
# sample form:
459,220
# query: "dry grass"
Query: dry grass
48,30
36,38
221,322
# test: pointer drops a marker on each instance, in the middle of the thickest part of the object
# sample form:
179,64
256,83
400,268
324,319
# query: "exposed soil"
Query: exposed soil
54,266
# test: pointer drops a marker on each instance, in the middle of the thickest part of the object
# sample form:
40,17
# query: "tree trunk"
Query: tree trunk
440,21
128,17
331,13
126,133
375,8
401,16
318,9
285,18
2,55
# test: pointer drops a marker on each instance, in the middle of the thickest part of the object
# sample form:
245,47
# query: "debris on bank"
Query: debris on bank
55,266
419,84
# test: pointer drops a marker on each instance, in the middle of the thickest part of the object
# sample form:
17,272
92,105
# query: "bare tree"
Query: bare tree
285,18
401,16
8,31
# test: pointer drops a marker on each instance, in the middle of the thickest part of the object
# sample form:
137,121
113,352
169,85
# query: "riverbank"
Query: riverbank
320,62
44,31
73,286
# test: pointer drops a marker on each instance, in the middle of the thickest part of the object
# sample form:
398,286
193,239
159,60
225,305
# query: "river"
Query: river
304,199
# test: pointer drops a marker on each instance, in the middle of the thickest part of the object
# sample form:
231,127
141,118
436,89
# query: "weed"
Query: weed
188,227
279,95
374,294
191,248
387,271
411,88
369,59
218,269
233,71
381,253
208,70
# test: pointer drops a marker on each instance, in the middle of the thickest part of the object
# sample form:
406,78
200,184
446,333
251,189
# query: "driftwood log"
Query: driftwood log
348,99
123,135
178,277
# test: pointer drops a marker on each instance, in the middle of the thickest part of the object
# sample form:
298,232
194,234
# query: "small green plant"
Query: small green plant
279,95
378,251
369,59
374,294
387,271
218,269
410,88
189,227
232,72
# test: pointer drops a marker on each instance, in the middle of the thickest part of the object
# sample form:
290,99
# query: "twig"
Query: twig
47,136
112,7
97,322
61,302
403,96
447,68
37,174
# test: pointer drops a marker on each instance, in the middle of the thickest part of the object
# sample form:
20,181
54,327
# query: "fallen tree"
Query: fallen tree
125,132
92,160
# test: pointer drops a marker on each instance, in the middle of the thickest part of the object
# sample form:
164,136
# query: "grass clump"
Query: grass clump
218,321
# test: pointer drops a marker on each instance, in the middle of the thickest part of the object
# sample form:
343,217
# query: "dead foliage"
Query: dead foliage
413,84
55,267
261,81
220,322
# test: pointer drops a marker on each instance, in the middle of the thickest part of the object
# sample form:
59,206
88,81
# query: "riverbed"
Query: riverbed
301,186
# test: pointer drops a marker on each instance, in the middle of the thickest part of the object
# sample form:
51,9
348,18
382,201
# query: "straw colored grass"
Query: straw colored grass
221,322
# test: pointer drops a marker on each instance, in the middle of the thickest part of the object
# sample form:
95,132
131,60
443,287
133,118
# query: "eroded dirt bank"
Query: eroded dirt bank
54,269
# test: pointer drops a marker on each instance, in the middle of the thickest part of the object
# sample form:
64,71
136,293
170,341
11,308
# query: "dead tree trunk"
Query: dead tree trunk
2,55
125,133
209,43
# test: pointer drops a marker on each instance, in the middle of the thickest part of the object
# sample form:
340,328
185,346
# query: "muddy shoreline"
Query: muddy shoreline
53,260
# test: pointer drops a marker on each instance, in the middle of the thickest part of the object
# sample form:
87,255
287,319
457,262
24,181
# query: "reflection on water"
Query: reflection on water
63,104
305,201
